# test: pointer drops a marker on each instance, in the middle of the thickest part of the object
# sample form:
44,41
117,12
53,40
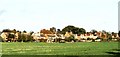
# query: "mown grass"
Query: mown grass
39,48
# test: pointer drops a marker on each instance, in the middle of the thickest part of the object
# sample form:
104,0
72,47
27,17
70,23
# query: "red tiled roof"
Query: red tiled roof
44,31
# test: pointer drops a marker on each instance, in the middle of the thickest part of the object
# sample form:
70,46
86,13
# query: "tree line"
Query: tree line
69,28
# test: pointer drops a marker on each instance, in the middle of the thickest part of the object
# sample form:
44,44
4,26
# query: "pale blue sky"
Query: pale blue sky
38,14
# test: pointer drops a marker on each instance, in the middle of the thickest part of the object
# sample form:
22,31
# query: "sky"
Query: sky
34,15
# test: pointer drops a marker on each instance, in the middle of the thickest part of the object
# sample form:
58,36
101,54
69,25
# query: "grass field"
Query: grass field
78,48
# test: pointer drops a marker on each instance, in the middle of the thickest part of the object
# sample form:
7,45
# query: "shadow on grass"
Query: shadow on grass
115,52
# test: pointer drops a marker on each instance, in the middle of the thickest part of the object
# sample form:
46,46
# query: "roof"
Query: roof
44,31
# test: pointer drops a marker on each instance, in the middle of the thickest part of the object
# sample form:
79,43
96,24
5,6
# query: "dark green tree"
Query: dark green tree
31,32
82,31
6,30
59,31
103,31
73,29
53,29
14,31
119,33
24,31
93,31
68,28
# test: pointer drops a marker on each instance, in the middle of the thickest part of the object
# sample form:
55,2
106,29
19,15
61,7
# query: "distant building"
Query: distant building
68,34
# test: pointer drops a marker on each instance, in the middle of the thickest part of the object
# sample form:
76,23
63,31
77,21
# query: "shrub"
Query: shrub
0,39
88,39
69,39
29,38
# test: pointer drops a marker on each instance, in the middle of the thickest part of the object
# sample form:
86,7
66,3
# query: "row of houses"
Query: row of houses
48,36
98,36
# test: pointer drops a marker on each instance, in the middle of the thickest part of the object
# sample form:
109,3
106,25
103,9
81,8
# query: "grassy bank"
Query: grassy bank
78,48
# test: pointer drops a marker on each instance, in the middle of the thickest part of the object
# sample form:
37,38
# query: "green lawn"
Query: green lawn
78,48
